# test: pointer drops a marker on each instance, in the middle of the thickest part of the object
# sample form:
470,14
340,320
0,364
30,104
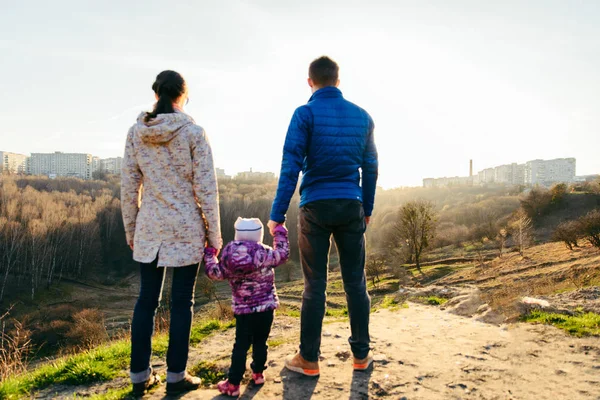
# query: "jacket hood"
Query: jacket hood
163,128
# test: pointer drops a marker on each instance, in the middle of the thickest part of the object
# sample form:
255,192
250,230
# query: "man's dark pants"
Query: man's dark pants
345,220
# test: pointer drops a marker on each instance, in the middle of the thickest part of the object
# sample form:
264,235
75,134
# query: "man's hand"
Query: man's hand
367,220
272,225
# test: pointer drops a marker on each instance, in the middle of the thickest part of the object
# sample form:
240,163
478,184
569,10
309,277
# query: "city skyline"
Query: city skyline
444,81
530,173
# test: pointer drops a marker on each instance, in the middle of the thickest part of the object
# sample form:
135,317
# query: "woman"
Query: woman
168,160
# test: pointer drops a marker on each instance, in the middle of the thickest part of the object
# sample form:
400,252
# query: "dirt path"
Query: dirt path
427,353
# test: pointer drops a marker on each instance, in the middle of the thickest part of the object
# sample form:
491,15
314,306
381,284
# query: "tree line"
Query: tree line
70,228
55,229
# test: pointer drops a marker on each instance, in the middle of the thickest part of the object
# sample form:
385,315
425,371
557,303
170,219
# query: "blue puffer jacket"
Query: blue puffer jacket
329,140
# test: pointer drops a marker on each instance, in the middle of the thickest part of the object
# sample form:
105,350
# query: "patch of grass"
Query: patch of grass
435,301
336,312
101,364
209,372
391,303
201,331
288,310
587,324
160,344
272,343
114,394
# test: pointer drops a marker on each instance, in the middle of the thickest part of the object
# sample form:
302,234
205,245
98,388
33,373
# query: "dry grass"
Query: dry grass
544,270
15,347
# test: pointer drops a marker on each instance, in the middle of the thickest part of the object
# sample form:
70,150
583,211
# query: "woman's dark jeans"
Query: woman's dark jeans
318,221
182,308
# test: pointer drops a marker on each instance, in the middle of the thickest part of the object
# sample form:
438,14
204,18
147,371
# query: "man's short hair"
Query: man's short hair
324,71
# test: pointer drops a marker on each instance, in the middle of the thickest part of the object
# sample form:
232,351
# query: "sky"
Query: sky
445,81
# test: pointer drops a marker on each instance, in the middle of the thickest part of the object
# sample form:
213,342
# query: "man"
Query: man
331,141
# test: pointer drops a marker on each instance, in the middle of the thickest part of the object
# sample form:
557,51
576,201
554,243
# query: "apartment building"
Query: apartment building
221,174
255,176
96,164
535,172
547,172
447,181
512,174
77,165
488,175
13,163
111,165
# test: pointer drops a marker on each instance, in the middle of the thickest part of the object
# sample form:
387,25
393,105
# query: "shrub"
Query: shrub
590,227
66,328
569,233
87,329
537,202
558,193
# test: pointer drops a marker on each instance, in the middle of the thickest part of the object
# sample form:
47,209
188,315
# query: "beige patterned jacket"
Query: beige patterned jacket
169,194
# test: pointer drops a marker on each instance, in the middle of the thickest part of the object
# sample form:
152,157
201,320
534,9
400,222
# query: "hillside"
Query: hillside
424,351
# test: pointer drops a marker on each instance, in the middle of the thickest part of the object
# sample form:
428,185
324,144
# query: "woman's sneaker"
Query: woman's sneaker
141,388
258,378
229,389
187,384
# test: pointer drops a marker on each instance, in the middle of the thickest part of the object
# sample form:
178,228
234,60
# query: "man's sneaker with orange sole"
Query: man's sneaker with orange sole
364,364
298,364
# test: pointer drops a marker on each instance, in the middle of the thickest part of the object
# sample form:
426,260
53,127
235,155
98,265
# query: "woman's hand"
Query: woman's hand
131,244
211,251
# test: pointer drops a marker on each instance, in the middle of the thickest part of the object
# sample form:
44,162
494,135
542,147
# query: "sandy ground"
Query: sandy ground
423,352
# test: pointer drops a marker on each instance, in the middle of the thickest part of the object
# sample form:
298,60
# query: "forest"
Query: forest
72,229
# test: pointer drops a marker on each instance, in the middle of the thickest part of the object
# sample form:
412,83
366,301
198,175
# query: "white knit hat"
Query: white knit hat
250,229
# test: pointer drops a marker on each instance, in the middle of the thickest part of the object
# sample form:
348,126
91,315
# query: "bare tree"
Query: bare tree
375,267
522,230
416,227
12,241
501,241
479,247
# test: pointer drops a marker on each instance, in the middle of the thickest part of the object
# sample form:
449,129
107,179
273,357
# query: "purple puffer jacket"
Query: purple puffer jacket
249,268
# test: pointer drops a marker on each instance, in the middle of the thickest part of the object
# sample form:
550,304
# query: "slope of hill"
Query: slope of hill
421,353
572,206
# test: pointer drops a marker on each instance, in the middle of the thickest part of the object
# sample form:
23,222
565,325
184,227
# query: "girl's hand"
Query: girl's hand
211,252
272,225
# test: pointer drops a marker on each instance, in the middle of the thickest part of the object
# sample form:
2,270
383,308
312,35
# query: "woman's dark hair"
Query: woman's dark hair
169,86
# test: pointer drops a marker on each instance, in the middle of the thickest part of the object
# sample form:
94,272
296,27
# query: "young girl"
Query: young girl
248,265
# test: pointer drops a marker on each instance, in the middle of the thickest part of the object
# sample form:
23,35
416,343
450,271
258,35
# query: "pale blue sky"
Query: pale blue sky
445,81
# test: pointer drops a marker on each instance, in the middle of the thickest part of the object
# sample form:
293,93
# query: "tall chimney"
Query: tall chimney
470,168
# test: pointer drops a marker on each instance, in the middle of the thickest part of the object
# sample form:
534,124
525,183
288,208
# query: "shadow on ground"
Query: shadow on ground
297,386
359,389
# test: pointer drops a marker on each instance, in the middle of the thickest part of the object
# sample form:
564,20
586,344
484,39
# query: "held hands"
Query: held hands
211,252
272,225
